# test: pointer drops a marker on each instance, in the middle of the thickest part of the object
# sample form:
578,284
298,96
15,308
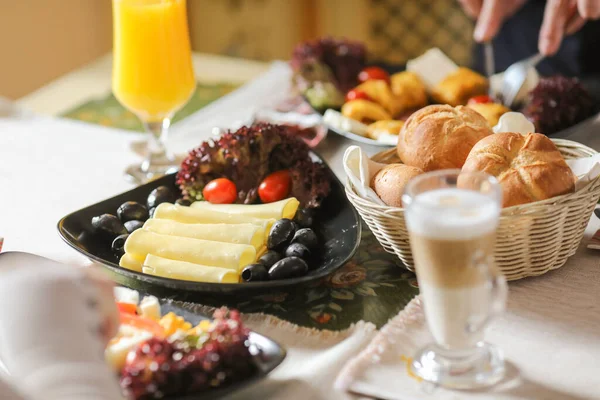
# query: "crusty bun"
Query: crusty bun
440,137
390,181
529,167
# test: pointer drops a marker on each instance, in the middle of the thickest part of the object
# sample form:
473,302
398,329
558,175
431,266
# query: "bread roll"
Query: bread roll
390,181
529,167
390,127
440,137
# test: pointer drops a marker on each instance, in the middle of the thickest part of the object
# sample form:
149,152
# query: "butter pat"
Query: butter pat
337,121
514,122
432,67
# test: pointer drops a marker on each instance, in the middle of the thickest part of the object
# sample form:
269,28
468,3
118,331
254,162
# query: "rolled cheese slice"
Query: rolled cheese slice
280,209
142,242
188,215
251,234
130,262
159,266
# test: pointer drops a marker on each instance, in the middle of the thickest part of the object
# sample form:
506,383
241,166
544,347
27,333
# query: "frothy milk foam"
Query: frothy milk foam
449,228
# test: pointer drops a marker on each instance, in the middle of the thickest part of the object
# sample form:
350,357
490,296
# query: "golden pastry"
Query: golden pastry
364,111
458,87
380,92
409,88
490,111
391,127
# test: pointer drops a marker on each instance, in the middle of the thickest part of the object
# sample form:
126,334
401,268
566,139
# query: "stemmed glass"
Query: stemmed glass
152,72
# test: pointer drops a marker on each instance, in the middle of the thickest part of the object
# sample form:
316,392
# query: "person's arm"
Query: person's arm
54,323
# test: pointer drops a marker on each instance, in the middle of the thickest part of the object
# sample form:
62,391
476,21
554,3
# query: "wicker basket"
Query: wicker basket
532,239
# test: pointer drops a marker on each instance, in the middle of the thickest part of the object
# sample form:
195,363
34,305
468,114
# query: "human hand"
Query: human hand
55,322
489,15
563,18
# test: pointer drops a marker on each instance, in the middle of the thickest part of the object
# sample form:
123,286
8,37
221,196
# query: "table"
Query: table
46,201
372,287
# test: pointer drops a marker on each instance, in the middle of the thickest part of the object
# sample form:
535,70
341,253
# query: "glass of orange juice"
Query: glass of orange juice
152,72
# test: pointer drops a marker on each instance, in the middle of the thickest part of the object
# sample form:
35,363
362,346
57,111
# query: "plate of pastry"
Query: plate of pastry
370,104
253,210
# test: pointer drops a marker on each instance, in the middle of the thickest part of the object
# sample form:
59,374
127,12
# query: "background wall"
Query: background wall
43,39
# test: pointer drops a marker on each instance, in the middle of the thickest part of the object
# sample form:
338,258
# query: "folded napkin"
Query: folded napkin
360,169
551,349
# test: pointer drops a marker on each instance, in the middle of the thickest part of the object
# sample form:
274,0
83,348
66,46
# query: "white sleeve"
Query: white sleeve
7,392
50,333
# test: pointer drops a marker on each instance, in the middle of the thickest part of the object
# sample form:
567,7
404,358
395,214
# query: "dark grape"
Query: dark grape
183,202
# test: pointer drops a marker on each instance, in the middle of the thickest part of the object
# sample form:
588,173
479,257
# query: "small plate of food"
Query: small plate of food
369,104
163,351
253,210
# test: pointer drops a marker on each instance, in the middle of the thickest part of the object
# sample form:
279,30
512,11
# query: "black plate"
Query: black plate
337,224
268,356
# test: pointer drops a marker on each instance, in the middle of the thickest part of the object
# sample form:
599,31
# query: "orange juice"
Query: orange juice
152,65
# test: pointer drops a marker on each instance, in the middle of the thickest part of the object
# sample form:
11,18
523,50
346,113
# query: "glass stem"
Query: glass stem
157,151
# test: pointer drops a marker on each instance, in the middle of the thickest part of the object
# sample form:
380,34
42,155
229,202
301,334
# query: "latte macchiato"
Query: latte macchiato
452,234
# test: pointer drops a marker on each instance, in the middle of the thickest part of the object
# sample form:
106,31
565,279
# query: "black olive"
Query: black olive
108,226
255,272
269,258
151,212
118,245
307,237
133,225
298,250
183,202
161,194
131,210
304,217
281,234
290,267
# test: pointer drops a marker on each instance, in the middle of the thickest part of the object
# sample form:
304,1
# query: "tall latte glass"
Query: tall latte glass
452,219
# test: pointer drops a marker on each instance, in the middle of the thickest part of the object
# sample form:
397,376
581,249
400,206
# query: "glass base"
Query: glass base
460,369
140,173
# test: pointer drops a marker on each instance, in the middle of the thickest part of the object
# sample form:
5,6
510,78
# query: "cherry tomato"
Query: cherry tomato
356,94
220,191
142,323
127,308
484,98
373,73
275,187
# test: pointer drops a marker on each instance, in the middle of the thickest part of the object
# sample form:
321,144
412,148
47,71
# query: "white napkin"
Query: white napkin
550,354
360,169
